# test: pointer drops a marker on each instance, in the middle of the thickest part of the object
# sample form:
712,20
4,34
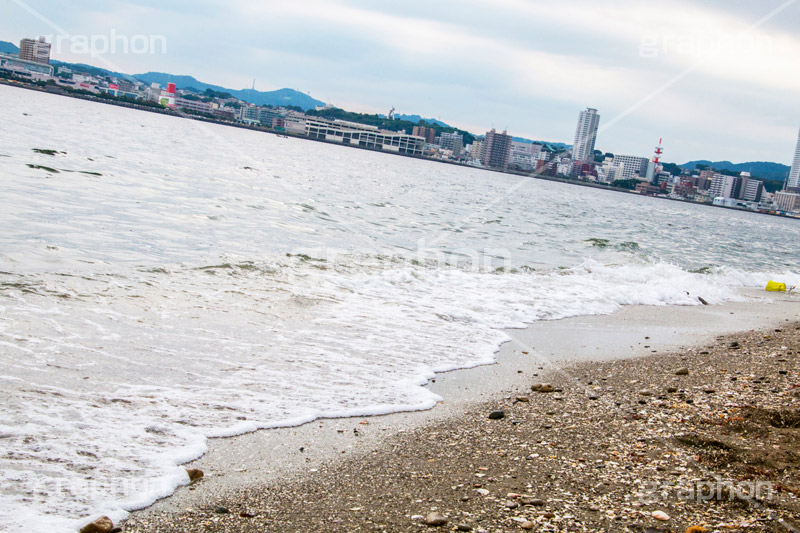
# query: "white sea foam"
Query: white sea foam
181,296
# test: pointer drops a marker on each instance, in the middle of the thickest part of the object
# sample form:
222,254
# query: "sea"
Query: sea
165,281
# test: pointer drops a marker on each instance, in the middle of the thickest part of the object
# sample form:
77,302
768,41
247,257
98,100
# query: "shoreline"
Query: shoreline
295,456
200,118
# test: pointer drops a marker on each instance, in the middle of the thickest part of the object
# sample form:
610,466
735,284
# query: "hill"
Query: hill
8,48
416,119
281,97
762,169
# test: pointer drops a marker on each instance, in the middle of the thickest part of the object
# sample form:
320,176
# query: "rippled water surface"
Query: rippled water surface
163,281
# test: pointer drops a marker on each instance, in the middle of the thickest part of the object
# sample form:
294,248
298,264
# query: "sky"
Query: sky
716,79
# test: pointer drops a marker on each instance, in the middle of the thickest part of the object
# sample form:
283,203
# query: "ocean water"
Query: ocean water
164,281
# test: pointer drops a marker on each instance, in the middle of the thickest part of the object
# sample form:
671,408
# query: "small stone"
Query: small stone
536,502
593,396
645,392
671,390
527,525
221,510
511,505
435,520
783,372
496,415
660,515
523,399
482,492
709,391
101,525
194,474
682,372
543,387
734,344
463,527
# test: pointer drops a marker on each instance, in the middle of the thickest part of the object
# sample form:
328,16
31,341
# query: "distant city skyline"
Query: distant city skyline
714,78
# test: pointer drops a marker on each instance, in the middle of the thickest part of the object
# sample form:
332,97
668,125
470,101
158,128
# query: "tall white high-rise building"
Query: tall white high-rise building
794,175
585,136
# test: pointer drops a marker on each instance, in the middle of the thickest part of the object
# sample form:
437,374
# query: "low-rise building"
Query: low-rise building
365,136
787,201
194,105
26,69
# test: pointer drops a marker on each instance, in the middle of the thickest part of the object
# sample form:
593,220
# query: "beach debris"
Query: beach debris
435,520
774,286
702,301
101,525
682,372
696,529
194,474
660,515
497,415
221,510
522,399
734,345
542,387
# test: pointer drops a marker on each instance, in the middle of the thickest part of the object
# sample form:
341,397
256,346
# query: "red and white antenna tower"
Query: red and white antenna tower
657,161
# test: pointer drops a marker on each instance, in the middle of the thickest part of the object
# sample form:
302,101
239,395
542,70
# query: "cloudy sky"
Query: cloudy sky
717,79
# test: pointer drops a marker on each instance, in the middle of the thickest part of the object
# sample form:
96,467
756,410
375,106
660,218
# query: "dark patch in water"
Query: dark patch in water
599,243
629,246
40,167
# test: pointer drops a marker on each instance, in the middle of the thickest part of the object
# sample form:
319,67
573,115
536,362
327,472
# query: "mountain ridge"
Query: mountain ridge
763,169
280,97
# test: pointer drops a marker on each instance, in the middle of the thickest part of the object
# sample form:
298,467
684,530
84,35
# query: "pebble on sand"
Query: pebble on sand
194,474
660,515
101,525
435,520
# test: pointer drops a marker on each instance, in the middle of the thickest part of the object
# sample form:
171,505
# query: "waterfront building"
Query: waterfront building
267,116
585,136
35,50
429,134
452,141
723,186
194,105
365,136
248,114
521,157
496,149
787,201
476,152
631,167
794,174
750,190
26,69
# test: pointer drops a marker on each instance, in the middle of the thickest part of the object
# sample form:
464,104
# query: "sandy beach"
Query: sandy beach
678,410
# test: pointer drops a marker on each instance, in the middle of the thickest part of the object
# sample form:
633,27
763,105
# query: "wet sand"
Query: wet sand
270,474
